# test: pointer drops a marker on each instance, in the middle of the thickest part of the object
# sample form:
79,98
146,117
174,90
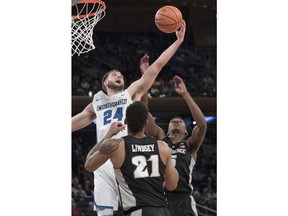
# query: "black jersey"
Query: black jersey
141,176
184,163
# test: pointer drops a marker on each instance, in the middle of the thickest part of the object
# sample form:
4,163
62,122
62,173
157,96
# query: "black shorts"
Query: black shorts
183,207
150,211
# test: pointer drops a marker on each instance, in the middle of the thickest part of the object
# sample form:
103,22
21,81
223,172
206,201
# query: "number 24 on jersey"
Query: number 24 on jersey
109,115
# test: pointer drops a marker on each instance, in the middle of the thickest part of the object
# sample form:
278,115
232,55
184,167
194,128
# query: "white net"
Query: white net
84,18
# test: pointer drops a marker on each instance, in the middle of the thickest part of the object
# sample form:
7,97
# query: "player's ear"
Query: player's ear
104,87
125,121
146,123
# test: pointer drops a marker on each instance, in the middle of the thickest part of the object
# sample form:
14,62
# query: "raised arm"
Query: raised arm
139,87
144,65
199,131
83,118
151,129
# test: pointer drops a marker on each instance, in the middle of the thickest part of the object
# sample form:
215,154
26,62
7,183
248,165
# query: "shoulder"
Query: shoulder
99,96
164,151
166,139
163,146
124,94
134,89
127,94
126,91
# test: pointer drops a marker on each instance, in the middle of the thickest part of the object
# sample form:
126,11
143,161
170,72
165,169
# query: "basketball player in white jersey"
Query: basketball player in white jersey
110,107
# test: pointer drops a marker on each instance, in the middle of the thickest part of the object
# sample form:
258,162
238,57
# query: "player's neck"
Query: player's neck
138,135
176,136
113,92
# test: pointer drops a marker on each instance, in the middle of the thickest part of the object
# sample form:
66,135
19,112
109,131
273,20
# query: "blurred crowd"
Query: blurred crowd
123,51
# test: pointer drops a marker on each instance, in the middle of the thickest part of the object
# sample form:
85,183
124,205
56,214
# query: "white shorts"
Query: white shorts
105,188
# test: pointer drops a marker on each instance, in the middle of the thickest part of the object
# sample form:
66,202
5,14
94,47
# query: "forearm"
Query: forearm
97,146
196,112
162,60
94,149
79,125
98,156
151,128
171,178
79,122
93,154
142,85
95,160
167,54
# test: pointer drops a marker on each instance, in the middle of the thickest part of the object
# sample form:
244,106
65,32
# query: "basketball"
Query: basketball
168,19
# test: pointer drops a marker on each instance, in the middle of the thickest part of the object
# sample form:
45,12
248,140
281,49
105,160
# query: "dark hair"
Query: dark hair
136,116
105,77
179,117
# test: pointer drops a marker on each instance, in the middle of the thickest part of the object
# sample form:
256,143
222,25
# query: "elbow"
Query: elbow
171,187
88,166
203,126
173,184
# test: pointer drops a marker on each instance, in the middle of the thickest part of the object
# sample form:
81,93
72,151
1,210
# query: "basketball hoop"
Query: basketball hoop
85,15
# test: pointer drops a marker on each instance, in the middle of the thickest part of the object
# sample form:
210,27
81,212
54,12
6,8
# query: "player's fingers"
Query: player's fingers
183,23
178,79
144,57
176,85
119,126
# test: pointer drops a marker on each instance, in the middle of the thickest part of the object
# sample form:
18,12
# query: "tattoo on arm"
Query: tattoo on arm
109,146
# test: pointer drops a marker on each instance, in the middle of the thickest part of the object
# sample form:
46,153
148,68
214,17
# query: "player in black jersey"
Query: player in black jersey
142,164
184,150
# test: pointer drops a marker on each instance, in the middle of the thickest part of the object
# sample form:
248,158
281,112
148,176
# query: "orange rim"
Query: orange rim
102,8
89,1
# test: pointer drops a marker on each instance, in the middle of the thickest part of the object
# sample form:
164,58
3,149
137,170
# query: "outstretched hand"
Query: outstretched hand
144,63
115,128
179,85
180,34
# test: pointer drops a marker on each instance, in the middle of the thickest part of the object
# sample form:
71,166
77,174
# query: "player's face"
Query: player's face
177,124
115,81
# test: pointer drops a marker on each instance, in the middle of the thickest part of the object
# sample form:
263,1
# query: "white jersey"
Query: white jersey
108,109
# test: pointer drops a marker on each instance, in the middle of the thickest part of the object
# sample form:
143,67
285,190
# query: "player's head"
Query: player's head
113,79
136,116
178,125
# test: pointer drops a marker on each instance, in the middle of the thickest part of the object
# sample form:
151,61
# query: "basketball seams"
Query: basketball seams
176,15
175,22
168,18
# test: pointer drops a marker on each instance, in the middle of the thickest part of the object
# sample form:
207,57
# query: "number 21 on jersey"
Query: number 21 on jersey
109,115
141,170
